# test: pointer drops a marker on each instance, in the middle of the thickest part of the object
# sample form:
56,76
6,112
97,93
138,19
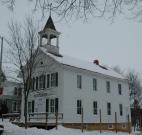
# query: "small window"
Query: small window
121,109
79,81
79,106
94,84
109,108
108,86
110,126
95,107
119,89
124,126
54,79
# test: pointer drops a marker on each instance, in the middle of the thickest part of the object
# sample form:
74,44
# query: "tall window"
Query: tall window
52,105
95,107
15,91
42,81
36,82
79,106
94,84
79,81
119,89
121,109
108,86
14,106
48,80
109,108
54,79
31,105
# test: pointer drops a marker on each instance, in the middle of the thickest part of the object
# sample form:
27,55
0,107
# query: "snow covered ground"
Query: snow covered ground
10,129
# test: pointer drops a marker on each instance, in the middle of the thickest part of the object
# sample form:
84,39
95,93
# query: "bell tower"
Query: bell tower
49,37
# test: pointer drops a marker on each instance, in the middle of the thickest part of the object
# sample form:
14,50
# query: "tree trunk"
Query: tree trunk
25,112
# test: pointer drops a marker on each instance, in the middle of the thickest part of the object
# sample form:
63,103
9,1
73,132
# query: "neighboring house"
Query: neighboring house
66,85
10,97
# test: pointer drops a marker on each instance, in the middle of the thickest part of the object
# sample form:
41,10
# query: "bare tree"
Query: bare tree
134,86
23,50
135,95
118,70
86,8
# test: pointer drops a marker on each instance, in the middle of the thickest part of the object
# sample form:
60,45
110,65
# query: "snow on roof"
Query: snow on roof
90,66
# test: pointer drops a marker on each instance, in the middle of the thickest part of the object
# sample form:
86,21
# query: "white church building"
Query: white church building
66,85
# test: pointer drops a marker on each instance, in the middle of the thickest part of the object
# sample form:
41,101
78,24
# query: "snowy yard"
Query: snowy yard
10,129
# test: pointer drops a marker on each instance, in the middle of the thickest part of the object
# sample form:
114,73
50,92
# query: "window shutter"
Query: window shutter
48,80
56,78
33,83
47,105
33,104
56,104
1,91
44,77
36,82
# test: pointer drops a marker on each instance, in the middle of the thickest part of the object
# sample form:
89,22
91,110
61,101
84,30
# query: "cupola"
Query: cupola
49,37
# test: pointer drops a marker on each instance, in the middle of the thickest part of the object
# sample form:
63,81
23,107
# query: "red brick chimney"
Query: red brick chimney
96,62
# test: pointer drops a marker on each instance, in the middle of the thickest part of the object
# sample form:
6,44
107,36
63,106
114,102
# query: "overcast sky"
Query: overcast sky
114,44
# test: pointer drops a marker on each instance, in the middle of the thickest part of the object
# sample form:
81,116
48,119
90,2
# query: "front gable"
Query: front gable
45,64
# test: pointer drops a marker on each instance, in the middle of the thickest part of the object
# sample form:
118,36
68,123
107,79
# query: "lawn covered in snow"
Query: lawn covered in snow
11,129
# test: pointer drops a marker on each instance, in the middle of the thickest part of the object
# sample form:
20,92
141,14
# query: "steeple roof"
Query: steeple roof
49,24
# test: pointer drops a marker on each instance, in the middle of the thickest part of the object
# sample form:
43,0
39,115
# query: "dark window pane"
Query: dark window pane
95,107
109,108
119,89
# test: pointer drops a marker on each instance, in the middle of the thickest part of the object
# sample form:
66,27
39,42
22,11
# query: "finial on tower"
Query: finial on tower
50,8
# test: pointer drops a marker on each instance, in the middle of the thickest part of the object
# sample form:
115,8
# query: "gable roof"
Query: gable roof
49,24
90,66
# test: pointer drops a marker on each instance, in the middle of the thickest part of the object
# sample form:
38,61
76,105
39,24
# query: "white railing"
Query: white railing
45,117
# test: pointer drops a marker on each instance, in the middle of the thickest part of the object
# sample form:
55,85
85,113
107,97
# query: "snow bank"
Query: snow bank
10,129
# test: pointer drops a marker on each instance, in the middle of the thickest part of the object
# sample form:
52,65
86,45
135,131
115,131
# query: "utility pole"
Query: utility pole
1,53
1,76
